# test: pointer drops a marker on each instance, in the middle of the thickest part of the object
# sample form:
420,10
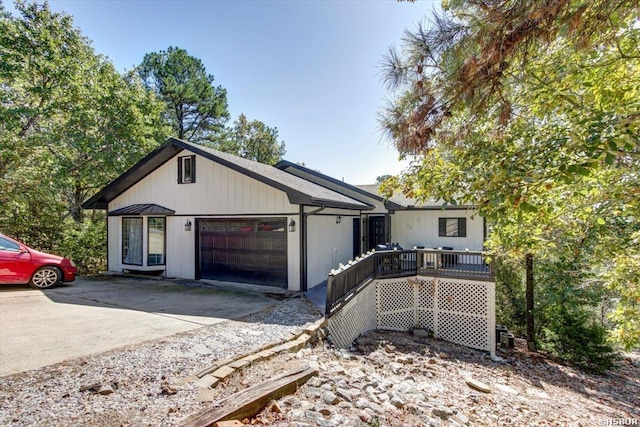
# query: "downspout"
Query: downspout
303,245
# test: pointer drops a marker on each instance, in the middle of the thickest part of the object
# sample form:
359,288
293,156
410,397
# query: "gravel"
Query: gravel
139,385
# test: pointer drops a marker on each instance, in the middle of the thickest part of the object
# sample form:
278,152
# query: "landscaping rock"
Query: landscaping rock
330,398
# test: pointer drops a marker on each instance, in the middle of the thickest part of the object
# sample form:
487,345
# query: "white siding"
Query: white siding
115,244
219,192
180,248
328,244
293,258
420,228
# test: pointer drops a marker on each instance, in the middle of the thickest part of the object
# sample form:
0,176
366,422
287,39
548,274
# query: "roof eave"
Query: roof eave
133,175
285,164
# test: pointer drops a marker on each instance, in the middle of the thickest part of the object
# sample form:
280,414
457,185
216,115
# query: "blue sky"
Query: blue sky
309,68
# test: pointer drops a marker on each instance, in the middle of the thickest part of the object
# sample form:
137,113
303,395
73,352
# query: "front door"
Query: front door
356,238
377,235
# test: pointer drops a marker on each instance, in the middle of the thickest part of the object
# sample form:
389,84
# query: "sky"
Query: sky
309,68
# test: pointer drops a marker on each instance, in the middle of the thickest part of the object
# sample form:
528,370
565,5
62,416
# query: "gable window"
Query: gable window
186,169
156,236
132,241
452,227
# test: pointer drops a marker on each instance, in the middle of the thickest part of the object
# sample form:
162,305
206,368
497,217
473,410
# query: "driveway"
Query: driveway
93,315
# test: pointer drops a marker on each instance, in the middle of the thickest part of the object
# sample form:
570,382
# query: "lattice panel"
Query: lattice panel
462,296
355,318
426,293
471,331
425,319
457,310
394,295
397,321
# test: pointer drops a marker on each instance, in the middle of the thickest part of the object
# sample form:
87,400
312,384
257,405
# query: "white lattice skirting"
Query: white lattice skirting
457,310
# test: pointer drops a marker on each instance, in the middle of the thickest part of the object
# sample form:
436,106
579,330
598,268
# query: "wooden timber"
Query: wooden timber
248,402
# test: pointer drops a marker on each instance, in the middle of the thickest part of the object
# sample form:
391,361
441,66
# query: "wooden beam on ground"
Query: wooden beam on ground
248,402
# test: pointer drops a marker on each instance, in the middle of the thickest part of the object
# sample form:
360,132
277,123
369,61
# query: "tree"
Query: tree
252,140
382,178
69,124
195,108
529,110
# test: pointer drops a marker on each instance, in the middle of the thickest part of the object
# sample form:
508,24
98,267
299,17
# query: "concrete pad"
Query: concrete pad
239,363
207,381
223,372
94,315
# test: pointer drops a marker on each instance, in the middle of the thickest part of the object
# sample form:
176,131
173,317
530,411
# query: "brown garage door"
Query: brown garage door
244,250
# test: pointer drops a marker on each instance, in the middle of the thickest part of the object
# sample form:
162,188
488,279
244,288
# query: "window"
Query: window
452,227
8,245
132,241
156,233
187,169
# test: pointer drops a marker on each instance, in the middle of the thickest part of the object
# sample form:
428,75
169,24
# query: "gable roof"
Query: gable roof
319,177
298,190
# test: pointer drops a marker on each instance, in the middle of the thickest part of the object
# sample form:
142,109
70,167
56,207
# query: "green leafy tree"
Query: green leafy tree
69,123
195,108
252,140
531,111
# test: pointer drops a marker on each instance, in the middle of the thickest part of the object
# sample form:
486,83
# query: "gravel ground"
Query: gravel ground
387,379
396,379
66,394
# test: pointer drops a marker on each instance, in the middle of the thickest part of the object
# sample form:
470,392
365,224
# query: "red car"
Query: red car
21,264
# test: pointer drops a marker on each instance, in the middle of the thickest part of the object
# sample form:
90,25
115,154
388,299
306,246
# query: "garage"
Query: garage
244,250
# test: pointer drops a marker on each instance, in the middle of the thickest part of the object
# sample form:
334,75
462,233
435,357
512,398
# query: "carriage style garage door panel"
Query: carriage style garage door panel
244,250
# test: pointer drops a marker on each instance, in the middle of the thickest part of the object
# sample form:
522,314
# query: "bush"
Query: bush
85,243
570,337
510,295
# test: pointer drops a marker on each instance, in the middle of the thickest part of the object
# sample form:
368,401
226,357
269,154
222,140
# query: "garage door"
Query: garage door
244,250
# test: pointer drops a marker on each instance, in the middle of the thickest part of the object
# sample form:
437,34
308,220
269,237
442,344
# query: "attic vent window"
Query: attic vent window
186,169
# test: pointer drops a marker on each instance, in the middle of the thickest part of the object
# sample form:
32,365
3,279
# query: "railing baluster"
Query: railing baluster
389,264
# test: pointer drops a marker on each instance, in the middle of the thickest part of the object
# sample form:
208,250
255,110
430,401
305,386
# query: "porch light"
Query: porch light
292,226
187,225
338,219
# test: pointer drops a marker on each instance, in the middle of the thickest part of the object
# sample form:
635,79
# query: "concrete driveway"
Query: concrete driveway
93,315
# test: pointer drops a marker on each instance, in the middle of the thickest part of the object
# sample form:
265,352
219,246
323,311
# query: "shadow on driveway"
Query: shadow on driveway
96,314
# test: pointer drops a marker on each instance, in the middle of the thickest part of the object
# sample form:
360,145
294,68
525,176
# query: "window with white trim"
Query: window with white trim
156,240
186,169
132,241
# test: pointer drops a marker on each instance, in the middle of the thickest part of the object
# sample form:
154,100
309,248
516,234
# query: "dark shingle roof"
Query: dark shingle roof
358,189
142,209
298,190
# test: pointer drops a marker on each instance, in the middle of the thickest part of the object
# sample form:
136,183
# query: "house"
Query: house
400,220
189,211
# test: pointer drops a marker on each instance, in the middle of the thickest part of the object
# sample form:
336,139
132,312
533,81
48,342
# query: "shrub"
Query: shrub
85,243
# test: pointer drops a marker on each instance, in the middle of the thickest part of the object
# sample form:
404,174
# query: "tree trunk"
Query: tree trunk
531,343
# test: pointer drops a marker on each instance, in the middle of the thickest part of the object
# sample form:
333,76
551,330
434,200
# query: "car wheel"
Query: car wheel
45,277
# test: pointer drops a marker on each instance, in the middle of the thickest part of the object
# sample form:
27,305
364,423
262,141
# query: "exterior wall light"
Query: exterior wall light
338,219
187,226
292,226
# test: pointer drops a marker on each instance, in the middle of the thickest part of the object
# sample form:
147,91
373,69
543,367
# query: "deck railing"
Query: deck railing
344,283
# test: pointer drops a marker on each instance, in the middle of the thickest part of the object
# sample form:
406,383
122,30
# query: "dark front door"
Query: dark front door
356,238
244,250
377,235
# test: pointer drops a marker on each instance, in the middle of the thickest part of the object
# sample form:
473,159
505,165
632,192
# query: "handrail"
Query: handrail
349,279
